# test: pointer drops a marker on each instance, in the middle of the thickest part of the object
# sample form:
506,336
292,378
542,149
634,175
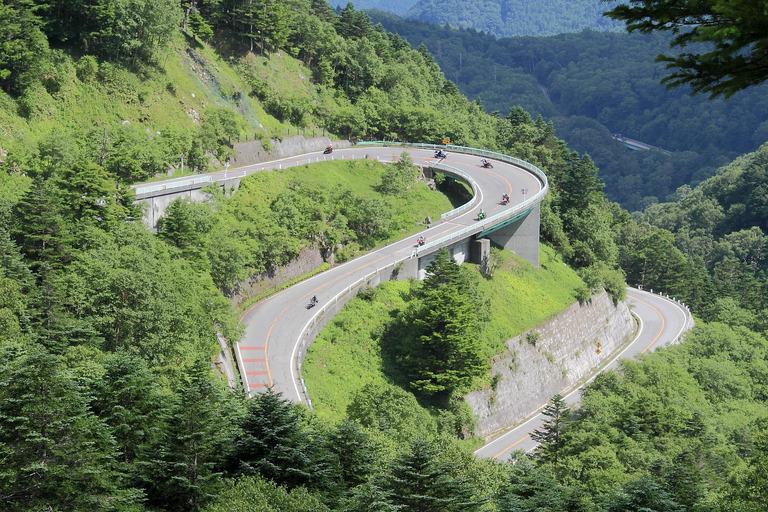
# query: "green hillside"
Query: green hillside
348,353
110,398
593,85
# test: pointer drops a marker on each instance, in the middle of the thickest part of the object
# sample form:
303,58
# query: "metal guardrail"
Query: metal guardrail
489,221
148,189
345,295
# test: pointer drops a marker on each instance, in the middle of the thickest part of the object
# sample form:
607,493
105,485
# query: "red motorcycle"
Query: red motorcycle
328,150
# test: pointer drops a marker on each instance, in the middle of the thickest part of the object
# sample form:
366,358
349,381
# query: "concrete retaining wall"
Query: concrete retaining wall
565,352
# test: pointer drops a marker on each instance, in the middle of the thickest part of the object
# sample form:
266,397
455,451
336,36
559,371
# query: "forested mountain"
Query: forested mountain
393,6
508,18
108,396
593,85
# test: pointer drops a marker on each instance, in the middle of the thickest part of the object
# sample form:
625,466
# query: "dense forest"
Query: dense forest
109,399
505,18
509,18
593,85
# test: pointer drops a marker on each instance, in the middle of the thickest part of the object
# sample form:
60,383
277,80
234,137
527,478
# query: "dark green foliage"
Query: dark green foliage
735,29
273,442
420,481
598,84
352,446
39,227
439,349
129,30
550,436
534,488
642,495
513,17
23,46
181,472
129,400
54,450
185,225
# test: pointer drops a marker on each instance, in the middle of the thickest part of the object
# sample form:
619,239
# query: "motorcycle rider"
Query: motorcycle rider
481,215
505,198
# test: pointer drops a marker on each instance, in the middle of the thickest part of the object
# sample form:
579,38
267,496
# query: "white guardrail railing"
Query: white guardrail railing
312,328
148,189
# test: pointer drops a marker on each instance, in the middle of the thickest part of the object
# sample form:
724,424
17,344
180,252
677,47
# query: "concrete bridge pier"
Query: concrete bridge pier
521,236
480,253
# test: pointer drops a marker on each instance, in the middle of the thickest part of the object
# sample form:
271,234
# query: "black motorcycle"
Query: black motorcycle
312,303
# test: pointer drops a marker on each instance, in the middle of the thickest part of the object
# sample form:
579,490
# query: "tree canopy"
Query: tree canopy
726,41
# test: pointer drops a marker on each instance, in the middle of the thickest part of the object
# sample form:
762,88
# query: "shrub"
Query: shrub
87,68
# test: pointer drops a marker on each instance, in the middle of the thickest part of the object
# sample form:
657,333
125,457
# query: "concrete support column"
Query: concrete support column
521,237
480,253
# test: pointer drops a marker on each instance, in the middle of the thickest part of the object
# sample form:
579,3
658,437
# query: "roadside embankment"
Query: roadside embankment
548,359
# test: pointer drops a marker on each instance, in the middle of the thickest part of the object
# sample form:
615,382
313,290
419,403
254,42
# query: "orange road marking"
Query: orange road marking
505,450
660,316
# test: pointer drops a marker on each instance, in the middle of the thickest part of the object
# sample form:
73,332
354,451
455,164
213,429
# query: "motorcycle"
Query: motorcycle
440,154
421,241
328,150
481,215
505,199
486,164
312,303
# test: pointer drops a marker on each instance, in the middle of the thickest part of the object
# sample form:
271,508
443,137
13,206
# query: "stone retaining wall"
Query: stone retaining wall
549,359
308,260
252,152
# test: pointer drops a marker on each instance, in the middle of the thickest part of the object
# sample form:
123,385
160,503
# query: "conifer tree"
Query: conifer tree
273,443
550,435
54,451
421,482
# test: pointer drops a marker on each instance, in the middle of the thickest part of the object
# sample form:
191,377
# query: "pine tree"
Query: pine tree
56,455
182,473
273,442
421,482
550,435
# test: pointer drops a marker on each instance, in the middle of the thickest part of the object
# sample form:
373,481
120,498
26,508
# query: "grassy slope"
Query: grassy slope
169,97
360,177
346,356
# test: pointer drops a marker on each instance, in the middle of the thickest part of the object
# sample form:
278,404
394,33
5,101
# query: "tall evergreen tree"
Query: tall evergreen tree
273,443
420,481
55,453
182,473
550,435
